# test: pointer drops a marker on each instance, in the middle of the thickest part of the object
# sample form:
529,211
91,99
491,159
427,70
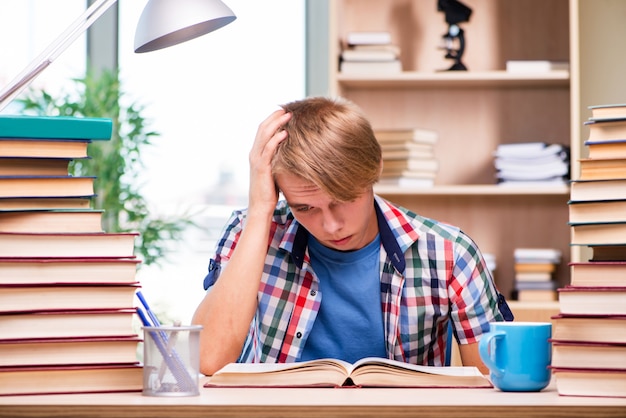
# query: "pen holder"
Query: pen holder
171,356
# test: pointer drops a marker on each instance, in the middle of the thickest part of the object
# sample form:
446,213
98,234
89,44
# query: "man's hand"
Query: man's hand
263,194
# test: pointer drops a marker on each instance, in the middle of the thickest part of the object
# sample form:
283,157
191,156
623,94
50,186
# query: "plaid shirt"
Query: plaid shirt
430,272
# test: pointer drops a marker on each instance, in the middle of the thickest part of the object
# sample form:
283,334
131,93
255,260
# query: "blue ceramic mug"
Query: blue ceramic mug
518,355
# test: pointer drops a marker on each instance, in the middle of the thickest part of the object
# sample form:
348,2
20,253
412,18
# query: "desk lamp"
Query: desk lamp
162,23
455,13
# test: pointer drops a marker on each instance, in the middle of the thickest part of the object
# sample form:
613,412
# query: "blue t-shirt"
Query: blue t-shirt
349,324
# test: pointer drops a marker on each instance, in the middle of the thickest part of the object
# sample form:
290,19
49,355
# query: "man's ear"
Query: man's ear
380,169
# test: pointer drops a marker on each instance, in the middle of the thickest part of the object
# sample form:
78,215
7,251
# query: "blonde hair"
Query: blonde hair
331,144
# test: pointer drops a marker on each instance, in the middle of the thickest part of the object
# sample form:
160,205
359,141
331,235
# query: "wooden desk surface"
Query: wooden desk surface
303,403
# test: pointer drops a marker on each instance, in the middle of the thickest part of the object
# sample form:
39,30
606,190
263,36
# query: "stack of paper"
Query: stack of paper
532,163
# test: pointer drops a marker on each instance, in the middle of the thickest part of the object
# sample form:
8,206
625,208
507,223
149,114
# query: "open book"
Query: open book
367,372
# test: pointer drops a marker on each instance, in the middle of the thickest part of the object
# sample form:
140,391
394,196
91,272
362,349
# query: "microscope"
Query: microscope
454,40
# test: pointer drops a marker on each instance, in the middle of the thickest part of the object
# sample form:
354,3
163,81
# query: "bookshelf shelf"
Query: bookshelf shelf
451,80
474,190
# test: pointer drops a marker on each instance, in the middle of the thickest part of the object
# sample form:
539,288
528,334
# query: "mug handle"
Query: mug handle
486,356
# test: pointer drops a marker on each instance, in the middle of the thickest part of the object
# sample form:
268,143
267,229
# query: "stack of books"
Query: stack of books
408,157
532,163
67,287
369,53
534,273
589,338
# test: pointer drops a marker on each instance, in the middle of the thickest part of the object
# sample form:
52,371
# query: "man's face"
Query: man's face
343,226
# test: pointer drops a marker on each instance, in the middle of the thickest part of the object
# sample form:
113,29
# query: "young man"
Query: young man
334,270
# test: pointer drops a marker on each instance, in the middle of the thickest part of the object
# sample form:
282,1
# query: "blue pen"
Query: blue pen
153,317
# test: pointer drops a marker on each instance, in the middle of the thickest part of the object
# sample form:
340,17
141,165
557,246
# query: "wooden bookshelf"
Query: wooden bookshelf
473,111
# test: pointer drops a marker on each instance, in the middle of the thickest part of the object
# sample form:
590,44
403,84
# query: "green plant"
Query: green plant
116,163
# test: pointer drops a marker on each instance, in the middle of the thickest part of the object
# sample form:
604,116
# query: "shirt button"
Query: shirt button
298,335
313,292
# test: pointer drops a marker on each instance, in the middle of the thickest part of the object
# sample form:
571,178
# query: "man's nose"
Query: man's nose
332,222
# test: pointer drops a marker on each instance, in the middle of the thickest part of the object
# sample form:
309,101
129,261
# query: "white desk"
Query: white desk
303,403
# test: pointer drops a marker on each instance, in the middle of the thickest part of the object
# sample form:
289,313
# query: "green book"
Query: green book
55,127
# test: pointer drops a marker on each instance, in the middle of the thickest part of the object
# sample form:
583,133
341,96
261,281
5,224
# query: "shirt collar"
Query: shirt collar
299,236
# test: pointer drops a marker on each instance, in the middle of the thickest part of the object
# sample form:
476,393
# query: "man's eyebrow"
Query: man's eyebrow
296,204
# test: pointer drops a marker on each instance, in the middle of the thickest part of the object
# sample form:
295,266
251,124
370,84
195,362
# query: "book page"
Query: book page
322,372
277,367
376,362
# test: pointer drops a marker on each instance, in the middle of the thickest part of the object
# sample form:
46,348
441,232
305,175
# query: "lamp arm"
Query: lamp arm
56,48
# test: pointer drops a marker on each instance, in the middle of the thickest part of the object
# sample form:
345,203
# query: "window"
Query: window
206,98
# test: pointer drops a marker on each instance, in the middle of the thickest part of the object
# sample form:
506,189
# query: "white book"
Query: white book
535,66
528,150
371,67
551,182
407,182
368,55
539,173
532,254
368,38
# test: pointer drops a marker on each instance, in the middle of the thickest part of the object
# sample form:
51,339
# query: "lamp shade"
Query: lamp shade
164,23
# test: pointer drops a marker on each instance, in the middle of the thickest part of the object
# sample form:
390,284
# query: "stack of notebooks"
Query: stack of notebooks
589,338
66,286
369,53
408,157
534,273
532,163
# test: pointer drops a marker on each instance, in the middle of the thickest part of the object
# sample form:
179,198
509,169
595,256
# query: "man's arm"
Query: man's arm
471,357
228,308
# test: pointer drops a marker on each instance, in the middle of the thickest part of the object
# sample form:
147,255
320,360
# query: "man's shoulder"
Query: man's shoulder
401,218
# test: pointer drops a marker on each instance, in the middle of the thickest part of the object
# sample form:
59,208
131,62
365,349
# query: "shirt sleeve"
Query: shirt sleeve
224,248
474,296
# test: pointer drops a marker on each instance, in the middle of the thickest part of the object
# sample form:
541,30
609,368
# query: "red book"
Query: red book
71,245
66,324
70,379
38,296
68,270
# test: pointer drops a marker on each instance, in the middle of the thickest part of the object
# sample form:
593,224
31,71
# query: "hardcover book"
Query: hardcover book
55,351
18,166
48,186
59,127
606,130
68,270
70,379
598,233
588,355
599,273
608,111
43,148
586,382
21,325
597,211
589,328
71,245
577,300
54,220
596,190
38,296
